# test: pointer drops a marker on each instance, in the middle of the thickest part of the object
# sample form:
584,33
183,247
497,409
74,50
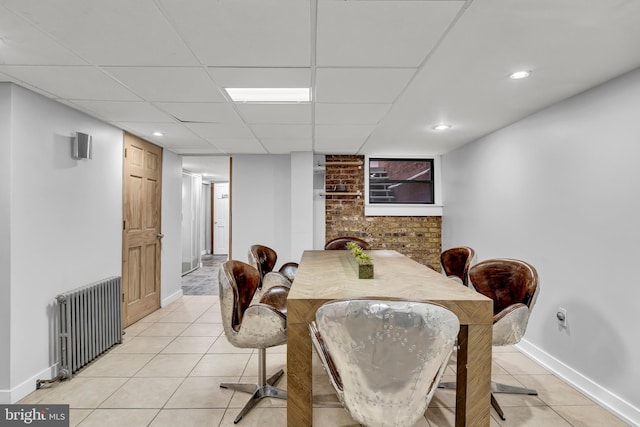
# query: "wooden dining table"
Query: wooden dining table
325,276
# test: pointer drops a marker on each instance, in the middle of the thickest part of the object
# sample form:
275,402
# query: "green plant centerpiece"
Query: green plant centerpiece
363,261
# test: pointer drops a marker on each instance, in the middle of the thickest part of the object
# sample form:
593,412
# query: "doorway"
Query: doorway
191,213
220,209
206,204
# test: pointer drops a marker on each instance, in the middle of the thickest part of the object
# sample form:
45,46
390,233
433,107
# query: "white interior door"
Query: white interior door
221,219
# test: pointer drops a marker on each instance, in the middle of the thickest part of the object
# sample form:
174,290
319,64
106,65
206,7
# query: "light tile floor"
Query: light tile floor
168,370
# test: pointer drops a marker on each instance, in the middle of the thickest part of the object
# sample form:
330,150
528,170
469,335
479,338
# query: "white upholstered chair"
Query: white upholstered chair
384,358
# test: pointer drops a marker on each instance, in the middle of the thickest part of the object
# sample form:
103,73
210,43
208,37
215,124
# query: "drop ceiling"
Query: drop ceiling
382,73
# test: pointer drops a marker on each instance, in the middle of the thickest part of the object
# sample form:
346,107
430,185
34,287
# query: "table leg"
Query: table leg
473,389
299,378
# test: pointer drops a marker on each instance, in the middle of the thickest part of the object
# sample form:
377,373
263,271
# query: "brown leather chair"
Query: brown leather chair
513,286
289,270
456,262
340,243
253,321
264,259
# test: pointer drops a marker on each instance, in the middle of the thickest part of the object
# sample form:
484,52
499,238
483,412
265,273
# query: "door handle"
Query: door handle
159,235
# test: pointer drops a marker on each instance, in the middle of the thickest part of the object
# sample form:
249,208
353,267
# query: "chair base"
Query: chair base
497,407
497,388
258,392
447,385
326,401
505,388
510,389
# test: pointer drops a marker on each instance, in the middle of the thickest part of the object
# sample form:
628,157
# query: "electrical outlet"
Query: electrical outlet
562,317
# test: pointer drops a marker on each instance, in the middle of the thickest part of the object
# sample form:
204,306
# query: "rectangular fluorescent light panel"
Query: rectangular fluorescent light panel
286,94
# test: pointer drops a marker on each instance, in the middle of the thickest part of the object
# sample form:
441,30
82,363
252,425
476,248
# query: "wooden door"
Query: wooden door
141,234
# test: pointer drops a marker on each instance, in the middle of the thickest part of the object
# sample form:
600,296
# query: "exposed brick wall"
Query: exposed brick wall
418,237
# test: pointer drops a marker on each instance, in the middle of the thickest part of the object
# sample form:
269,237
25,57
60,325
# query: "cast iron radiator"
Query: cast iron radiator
90,319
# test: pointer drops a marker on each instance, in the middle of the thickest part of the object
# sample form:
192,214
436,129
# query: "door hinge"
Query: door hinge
123,297
124,225
125,152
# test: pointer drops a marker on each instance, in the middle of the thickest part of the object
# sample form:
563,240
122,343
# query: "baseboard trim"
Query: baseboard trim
11,396
604,397
171,298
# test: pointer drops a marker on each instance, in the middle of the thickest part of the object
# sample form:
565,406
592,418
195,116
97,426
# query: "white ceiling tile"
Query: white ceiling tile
337,147
238,145
282,131
168,83
198,151
118,111
114,32
367,86
340,132
275,113
190,143
350,114
23,44
381,33
286,146
201,112
341,138
173,133
71,82
262,33
219,130
261,77
9,79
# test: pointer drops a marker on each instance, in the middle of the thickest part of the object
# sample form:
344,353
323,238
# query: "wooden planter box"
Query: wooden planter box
364,270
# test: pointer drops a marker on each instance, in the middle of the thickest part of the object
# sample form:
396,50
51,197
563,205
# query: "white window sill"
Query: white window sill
403,210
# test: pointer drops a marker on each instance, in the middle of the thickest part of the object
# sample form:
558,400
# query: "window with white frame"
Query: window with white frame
393,181
402,186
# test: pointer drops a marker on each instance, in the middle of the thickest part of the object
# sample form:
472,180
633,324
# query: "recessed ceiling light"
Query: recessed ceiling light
157,133
259,94
520,75
441,126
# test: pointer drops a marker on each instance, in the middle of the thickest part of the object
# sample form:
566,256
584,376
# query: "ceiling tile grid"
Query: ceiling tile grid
382,73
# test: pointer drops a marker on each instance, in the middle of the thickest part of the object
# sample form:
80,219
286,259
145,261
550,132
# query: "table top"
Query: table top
328,275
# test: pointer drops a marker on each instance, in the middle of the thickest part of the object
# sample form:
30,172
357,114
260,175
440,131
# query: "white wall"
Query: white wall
561,190
171,273
261,205
301,204
319,211
5,236
65,220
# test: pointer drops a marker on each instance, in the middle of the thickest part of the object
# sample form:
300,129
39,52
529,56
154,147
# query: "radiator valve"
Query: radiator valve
63,375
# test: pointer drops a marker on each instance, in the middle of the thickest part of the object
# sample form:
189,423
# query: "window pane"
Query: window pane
401,181
396,169
403,192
